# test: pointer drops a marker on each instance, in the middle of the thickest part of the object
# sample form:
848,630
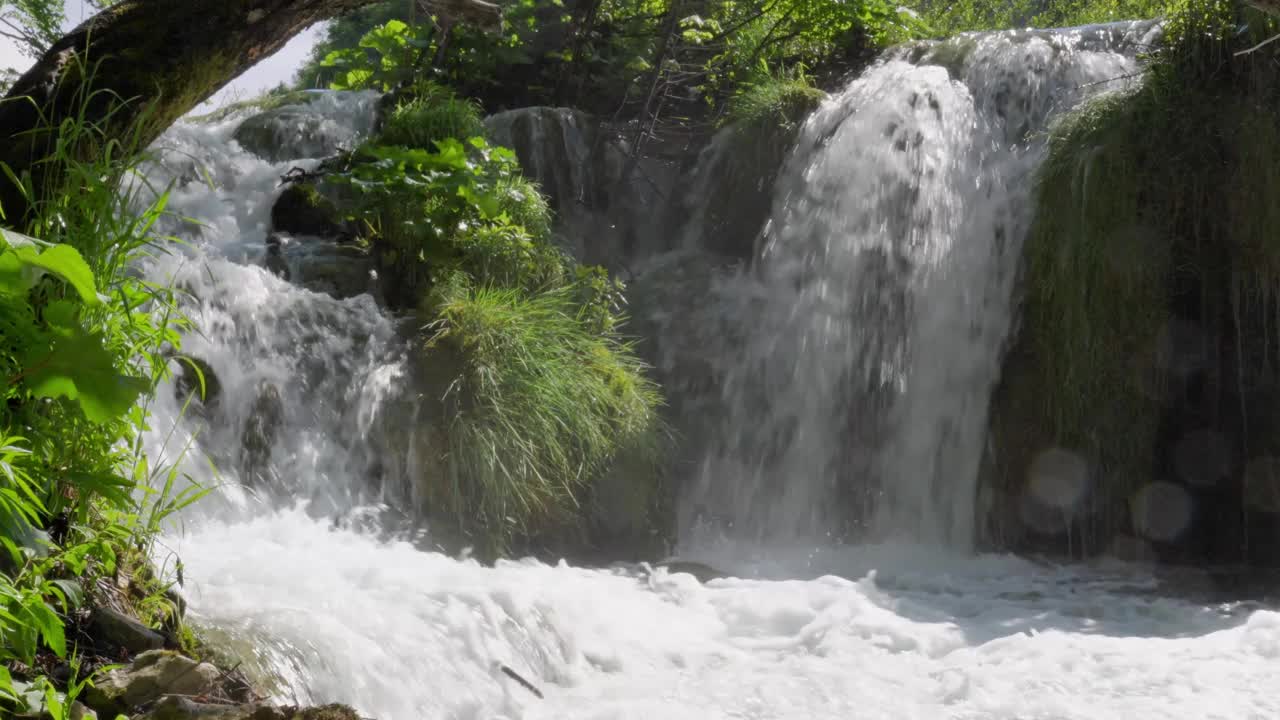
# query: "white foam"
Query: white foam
404,634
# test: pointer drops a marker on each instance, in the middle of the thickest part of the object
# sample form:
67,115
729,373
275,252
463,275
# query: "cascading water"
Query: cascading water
880,307
289,564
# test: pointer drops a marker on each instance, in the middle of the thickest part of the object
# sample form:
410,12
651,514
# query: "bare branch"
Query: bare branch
1259,46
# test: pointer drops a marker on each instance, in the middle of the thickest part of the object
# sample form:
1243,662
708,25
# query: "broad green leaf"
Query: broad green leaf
72,593
65,262
75,365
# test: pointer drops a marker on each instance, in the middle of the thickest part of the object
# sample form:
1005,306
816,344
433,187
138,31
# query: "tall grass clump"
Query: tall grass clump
541,404
773,100
82,342
1151,200
431,114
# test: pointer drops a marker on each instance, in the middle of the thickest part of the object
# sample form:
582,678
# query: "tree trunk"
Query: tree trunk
144,64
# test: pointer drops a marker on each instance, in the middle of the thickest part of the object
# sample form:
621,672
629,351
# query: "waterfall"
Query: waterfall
875,315
875,318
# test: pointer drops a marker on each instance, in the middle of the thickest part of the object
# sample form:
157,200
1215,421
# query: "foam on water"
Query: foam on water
326,608
406,634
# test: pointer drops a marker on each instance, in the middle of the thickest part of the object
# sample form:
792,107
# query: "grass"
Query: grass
778,100
540,405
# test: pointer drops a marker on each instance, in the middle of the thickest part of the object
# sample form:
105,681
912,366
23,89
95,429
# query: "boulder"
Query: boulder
120,630
152,675
302,210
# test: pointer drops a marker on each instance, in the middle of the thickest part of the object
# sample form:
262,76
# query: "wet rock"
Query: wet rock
291,132
259,435
188,382
123,631
182,708
608,210
275,262
302,210
341,270
152,675
703,573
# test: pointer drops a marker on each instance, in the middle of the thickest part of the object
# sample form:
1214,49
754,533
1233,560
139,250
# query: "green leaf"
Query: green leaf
75,365
72,593
65,262
49,625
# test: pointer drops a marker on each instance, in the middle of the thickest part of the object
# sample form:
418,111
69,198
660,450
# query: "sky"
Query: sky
266,74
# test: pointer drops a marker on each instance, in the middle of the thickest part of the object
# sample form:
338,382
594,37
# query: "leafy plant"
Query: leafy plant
83,343
386,56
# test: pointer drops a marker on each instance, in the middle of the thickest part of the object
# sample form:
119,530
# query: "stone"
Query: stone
275,262
120,630
302,210
259,435
187,382
152,675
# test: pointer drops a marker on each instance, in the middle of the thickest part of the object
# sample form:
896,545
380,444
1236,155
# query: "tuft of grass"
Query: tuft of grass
539,405
434,113
774,100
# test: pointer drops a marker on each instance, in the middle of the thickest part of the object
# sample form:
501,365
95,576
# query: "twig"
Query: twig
515,676
1259,46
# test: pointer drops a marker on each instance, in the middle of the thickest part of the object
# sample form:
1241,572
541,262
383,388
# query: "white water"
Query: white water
878,315
328,609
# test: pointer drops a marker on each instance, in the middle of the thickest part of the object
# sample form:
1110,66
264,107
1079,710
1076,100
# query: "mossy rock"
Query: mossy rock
302,210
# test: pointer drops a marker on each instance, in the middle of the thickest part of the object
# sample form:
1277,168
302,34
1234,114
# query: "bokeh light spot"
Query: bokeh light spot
1162,511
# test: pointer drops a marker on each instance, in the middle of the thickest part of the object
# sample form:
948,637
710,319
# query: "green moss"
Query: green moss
1172,190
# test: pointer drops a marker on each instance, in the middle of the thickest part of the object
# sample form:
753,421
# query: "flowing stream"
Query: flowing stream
878,317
